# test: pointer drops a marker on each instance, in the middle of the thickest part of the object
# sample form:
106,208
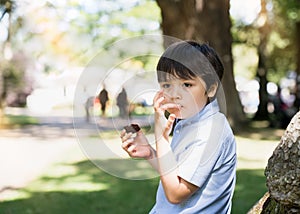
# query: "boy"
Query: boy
197,169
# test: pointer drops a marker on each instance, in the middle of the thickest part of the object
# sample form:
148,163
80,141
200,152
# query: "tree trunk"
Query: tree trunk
206,21
264,30
8,10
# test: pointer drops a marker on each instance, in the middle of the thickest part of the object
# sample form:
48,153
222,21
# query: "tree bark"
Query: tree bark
283,174
261,74
206,21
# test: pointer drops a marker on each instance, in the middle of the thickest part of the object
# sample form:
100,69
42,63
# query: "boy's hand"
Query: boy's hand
163,126
138,146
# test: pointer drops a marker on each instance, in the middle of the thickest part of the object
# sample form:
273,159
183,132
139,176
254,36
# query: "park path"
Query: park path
25,153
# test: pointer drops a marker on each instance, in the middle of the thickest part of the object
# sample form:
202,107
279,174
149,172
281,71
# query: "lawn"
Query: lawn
14,121
78,188
89,190
75,185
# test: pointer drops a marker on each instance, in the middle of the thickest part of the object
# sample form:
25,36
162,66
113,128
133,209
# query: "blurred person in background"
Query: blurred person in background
122,103
103,99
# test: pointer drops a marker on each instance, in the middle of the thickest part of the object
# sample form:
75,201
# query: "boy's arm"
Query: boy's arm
176,189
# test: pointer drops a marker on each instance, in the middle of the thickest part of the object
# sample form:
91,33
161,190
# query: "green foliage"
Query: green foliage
14,82
281,48
149,62
106,22
147,10
245,34
73,32
283,38
12,77
245,60
288,9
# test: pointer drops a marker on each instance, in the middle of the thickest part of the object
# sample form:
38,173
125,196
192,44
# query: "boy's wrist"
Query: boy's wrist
152,154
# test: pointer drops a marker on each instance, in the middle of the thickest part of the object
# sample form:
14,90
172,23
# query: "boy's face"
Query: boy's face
190,95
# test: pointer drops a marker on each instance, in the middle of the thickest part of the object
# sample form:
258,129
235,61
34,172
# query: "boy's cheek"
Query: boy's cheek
166,100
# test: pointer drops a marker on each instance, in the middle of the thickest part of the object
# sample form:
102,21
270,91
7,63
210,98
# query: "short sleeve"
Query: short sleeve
192,169
201,158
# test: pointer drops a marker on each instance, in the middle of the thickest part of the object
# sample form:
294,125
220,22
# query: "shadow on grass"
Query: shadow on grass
82,188
250,187
86,190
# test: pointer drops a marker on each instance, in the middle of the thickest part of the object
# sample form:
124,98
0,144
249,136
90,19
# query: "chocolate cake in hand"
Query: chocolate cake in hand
133,128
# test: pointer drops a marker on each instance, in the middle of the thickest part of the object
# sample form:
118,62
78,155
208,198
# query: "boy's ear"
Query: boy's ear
211,92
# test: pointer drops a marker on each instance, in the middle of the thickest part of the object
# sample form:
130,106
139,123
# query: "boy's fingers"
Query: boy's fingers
170,106
131,148
158,98
170,121
157,95
123,132
172,117
158,102
126,144
158,105
126,136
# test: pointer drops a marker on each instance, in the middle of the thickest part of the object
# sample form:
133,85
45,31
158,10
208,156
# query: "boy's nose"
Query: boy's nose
175,94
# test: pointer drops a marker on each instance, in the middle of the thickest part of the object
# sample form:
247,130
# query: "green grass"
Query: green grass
81,187
13,121
250,187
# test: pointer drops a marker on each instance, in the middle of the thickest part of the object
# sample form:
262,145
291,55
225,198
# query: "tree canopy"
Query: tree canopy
55,34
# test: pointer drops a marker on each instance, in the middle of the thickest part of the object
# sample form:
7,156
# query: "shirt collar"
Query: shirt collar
207,111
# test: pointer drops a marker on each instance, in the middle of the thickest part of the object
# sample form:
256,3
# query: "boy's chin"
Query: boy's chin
184,115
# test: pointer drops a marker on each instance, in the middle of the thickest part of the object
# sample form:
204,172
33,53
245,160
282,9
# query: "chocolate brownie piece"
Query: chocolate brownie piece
133,128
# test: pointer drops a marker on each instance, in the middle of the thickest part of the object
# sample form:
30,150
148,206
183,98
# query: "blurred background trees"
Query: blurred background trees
47,38
206,22
14,83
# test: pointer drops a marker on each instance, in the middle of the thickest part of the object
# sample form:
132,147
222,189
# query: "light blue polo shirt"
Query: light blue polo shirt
205,150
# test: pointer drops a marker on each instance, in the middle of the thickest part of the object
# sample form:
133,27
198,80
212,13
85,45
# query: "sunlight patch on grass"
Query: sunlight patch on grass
65,177
14,194
80,183
60,170
254,154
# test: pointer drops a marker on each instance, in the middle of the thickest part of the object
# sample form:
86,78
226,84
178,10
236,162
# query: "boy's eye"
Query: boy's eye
187,85
166,85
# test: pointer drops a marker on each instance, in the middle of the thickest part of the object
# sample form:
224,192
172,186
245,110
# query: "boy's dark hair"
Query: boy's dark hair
189,59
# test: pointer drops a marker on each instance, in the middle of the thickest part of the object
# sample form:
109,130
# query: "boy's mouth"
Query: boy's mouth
178,106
